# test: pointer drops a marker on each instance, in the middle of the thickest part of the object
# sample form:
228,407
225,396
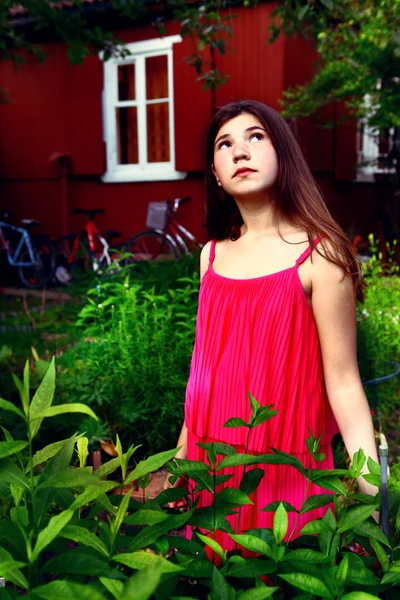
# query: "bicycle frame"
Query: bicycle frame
92,234
174,229
15,259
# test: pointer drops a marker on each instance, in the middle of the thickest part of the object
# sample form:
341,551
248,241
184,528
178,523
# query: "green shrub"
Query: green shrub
132,363
52,506
378,331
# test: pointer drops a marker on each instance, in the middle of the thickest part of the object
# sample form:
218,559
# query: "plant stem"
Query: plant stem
304,499
246,448
214,523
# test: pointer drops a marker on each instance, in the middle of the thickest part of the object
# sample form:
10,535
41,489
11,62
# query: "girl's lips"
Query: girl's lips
243,172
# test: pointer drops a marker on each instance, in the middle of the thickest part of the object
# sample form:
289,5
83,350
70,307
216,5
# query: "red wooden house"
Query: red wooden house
119,134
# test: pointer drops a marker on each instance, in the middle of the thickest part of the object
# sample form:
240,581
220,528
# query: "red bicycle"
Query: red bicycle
166,238
87,249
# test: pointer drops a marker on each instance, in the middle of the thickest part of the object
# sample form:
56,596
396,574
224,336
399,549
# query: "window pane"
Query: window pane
158,132
157,77
126,82
127,132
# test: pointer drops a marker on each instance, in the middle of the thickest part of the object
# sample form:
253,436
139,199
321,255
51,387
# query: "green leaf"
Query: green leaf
306,555
350,517
144,560
233,496
72,478
236,422
142,585
255,405
357,463
151,534
10,473
82,450
61,409
220,448
281,523
171,495
251,480
114,586
17,492
372,479
6,405
213,544
371,531
146,517
359,596
9,569
66,590
307,583
187,467
10,448
46,453
42,399
250,567
108,467
83,536
151,464
331,483
77,562
253,543
380,554
316,526
316,502
19,515
257,593
263,414
92,492
51,531
123,507
373,467
26,387
343,569
272,506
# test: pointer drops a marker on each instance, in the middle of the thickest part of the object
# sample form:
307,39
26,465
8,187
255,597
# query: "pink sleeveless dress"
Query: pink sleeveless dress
259,335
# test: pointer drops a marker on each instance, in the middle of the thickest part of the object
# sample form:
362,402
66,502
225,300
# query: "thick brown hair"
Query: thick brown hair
297,198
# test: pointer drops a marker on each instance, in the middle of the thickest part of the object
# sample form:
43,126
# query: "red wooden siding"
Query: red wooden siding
57,107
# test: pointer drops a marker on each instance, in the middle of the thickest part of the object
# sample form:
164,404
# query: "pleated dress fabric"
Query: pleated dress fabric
259,335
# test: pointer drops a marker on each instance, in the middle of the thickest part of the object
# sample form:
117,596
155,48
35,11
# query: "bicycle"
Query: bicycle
166,238
86,249
33,257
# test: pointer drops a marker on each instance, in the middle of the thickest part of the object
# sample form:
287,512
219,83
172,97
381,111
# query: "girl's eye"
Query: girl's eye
222,144
257,136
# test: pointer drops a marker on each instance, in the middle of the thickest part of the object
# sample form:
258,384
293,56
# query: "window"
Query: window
138,113
373,150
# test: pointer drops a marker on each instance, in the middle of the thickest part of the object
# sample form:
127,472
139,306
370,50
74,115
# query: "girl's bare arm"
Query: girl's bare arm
334,308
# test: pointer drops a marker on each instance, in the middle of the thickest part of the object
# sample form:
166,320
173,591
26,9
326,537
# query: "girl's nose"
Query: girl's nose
240,151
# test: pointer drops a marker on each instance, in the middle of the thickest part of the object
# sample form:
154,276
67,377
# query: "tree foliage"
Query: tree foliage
358,45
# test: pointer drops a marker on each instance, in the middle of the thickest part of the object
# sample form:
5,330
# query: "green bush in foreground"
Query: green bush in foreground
67,535
133,362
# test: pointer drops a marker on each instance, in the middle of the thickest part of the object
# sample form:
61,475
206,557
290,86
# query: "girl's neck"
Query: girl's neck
258,217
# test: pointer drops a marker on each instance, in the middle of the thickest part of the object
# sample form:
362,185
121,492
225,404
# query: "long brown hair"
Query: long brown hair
297,197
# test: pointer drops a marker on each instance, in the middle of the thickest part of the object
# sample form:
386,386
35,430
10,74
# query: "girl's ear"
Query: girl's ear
216,176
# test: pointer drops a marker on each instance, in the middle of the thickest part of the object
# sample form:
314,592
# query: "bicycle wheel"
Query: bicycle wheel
42,271
72,252
151,245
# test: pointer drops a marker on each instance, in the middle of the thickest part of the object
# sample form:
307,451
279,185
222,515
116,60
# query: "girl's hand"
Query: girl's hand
179,483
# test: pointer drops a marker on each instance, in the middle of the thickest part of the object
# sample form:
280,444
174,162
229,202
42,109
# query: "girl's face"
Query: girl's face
245,161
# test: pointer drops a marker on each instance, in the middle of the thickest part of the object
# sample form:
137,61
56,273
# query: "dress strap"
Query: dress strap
212,252
307,252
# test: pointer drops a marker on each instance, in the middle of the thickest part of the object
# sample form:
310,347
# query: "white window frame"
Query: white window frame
367,142
144,170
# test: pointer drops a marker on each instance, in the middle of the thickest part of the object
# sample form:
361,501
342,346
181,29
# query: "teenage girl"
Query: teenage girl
277,313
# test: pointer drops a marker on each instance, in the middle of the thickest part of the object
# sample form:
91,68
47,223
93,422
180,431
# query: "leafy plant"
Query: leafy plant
133,361
124,549
378,333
